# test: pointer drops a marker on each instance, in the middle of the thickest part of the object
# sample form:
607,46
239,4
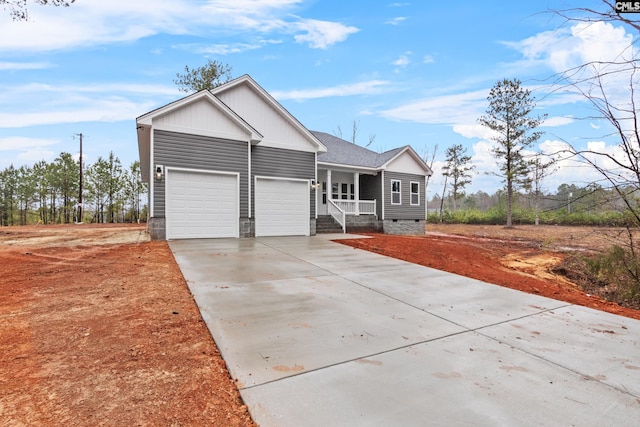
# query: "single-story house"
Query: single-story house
232,162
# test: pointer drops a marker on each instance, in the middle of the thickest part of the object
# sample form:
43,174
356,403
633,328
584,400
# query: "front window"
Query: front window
415,193
395,192
324,192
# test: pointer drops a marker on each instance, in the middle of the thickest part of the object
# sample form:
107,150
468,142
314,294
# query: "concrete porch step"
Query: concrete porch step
326,224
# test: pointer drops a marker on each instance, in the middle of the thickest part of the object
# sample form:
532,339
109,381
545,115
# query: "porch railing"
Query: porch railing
353,207
338,214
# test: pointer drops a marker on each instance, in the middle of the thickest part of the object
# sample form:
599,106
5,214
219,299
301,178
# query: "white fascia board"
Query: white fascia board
348,168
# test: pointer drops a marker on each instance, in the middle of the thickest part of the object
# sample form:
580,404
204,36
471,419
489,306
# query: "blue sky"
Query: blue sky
414,72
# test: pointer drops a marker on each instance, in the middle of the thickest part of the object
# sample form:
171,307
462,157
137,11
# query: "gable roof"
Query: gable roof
145,122
249,82
146,119
341,152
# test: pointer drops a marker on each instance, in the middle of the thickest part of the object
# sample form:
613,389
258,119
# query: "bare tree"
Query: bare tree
18,8
541,167
609,13
372,138
609,86
355,129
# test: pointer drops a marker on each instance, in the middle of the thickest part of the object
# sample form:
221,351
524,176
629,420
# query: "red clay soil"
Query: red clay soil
98,327
520,265
98,331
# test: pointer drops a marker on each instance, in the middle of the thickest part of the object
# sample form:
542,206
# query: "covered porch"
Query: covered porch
343,193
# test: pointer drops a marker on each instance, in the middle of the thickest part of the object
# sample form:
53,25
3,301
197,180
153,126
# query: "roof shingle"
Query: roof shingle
344,152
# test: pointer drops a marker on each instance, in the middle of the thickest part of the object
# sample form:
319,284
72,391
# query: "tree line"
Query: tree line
590,205
49,193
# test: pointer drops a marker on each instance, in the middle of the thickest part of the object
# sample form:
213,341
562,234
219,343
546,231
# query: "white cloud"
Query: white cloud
22,143
25,150
322,34
19,66
557,121
109,88
396,21
108,21
483,158
104,110
361,88
428,59
582,43
219,49
453,109
474,131
35,155
402,61
42,104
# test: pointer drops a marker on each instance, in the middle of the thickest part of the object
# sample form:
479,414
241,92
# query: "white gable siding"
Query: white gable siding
405,163
201,118
277,131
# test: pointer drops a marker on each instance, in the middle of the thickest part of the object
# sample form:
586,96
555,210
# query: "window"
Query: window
352,196
334,191
324,192
395,192
415,193
344,191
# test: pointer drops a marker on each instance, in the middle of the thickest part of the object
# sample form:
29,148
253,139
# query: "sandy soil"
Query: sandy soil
97,327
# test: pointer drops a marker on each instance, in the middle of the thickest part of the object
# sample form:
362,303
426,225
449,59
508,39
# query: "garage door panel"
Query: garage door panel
201,205
282,207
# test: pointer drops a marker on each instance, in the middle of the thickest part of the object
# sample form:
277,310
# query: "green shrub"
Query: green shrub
617,271
498,215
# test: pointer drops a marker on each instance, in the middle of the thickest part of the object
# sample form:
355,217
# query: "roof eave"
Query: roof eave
346,166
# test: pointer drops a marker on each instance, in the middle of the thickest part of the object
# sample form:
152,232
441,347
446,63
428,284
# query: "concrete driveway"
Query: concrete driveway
321,334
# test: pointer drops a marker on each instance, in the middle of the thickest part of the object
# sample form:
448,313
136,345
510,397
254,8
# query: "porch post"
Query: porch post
329,189
356,182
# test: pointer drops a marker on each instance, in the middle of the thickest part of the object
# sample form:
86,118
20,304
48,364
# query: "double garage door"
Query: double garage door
206,205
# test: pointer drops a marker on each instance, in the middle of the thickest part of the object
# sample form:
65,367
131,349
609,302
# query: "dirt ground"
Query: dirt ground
520,258
97,325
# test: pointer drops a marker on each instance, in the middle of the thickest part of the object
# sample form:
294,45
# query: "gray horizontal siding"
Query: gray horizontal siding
371,189
405,210
282,163
173,149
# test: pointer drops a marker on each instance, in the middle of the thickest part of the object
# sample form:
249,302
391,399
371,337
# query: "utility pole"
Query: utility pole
79,215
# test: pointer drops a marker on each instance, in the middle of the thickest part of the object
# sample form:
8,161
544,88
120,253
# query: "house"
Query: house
232,162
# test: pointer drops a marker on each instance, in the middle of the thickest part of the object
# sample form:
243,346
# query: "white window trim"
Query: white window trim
399,191
411,193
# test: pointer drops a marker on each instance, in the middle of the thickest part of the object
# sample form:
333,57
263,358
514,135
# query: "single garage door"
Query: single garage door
201,205
282,207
